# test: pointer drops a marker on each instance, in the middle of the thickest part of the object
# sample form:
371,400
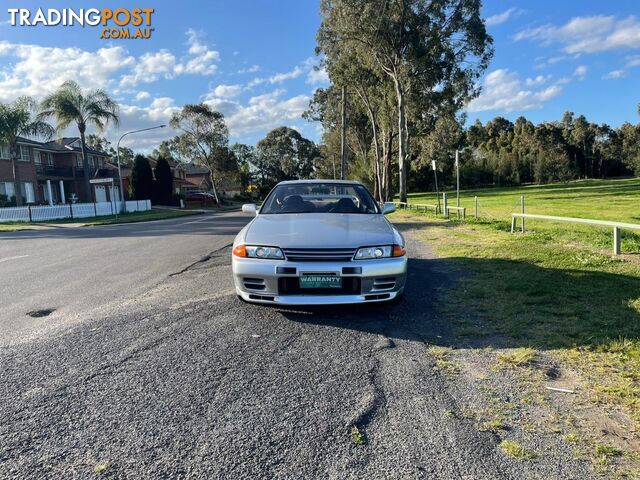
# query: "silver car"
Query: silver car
319,242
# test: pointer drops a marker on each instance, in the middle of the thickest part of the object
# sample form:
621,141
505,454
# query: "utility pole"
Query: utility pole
123,204
343,143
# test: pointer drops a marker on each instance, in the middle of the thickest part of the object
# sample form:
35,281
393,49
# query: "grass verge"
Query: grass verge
545,293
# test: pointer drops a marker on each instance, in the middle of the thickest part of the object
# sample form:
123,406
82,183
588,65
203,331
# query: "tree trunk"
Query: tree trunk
386,169
85,165
403,142
16,174
213,186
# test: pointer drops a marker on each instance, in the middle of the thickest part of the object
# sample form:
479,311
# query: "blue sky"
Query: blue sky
254,61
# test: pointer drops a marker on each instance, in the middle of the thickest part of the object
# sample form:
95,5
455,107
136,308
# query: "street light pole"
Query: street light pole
124,205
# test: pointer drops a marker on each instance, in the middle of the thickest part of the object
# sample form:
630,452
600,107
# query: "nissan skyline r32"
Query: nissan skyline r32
319,242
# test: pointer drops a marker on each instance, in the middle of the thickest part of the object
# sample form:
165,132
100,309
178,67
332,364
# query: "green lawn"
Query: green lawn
552,288
616,200
105,220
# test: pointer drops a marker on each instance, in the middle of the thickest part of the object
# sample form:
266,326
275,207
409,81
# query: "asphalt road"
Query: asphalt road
179,379
79,271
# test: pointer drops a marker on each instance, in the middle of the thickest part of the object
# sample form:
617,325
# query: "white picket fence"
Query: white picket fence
43,213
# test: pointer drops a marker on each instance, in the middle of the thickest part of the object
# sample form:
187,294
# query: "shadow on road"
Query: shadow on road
505,304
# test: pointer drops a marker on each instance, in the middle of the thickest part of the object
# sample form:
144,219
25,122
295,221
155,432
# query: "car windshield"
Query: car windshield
321,197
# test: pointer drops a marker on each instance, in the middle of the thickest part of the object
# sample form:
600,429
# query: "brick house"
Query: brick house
52,172
199,180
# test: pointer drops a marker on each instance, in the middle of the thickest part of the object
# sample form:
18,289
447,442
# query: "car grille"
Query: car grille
319,254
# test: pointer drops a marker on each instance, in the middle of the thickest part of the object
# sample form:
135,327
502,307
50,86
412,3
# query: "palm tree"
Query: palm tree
16,120
69,104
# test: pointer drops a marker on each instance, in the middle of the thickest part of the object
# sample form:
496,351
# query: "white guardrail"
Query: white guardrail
42,213
617,226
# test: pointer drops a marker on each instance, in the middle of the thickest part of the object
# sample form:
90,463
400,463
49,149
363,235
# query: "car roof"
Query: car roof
320,180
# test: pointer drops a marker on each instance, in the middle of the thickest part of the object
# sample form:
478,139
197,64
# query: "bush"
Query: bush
141,179
163,185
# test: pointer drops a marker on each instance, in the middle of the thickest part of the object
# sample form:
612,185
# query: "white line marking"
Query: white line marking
12,258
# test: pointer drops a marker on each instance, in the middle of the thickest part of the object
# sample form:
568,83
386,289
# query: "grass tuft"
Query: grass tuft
515,450
492,426
101,467
572,438
518,357
357,437
607,451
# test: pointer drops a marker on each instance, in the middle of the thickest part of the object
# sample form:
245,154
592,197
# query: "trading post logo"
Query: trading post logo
120,23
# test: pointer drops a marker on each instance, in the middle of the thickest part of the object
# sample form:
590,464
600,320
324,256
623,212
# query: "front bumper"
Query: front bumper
260,281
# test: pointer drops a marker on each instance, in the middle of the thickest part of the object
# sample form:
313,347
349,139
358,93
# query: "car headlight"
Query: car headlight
258,251
367,253
383,251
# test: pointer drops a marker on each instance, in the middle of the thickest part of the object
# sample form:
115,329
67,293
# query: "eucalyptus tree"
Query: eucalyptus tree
432,52
203,139
17,119
69,104
284,154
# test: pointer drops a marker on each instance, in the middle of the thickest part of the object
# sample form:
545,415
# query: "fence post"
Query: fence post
444,204
617,241
522,211
475,204
95,209
29,208
70,211
513,224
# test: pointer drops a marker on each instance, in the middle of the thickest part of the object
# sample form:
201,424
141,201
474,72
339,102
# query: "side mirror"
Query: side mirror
250,209
388,208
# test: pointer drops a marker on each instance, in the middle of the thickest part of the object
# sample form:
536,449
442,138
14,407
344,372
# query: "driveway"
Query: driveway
177,378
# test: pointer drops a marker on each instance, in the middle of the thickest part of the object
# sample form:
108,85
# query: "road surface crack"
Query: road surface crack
216,253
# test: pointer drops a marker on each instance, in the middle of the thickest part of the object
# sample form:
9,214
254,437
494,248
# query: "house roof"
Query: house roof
192,169
62,145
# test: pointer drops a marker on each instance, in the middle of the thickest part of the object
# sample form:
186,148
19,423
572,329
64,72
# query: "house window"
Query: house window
5,152
46,158
7,188
91,161
78,160
24,153
26,190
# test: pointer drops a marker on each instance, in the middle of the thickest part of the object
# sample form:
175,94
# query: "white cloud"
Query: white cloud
262,112
503,90
36,71
281,77
539,80
317,76
227,90
251,69
593,34
141,95
581,71
277,78
152,66
501,17
633,61
615,75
